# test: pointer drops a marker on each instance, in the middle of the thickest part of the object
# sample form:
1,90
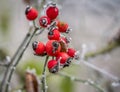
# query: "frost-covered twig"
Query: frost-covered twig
43,80
87,82
114,42
16,58
103,50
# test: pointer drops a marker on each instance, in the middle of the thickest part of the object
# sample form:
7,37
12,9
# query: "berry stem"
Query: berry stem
87,82
16,58
43,80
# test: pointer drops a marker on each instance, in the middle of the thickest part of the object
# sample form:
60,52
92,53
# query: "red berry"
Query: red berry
54,34
52,12
63,27
63,57
31,13
52,66
44,21
39,48
53,47
71,52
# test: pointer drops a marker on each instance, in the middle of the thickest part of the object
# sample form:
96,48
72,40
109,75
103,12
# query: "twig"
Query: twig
88,82
106,49
43,80
85,56
15,60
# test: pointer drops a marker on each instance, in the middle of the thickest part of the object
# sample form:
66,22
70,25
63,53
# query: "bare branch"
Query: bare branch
88,82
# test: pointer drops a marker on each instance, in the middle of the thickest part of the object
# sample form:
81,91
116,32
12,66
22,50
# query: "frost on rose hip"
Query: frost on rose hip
53,66
71,52
63,27
65,59
52,47
54,34
31,13
39,48
44,21
52,11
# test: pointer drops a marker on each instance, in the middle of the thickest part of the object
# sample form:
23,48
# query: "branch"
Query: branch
106,49
88,82
112,44
43,80
16,58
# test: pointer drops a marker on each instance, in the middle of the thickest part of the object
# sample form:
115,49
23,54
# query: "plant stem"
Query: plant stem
16,58
43,80
106,49
87,82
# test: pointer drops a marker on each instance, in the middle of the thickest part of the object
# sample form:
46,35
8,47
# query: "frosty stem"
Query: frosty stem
106,49
87,82
16,58
43,80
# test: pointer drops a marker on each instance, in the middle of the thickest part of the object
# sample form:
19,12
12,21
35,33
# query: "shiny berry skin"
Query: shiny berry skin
71,52
53,47
64,58
31,13
63,27
52,12
44,21
54,34
39,48
52,66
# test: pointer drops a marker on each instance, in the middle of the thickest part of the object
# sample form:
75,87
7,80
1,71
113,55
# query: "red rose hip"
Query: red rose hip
39,48
64,58
53,66
54,34
63,27
52,12
44,21
31,13
71,52
53,47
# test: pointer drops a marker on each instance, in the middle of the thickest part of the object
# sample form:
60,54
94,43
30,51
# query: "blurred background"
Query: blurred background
94,23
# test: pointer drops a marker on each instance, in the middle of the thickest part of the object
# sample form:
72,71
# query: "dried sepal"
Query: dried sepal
31,82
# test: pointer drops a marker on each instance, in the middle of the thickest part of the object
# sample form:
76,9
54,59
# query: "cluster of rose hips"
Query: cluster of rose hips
57,45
